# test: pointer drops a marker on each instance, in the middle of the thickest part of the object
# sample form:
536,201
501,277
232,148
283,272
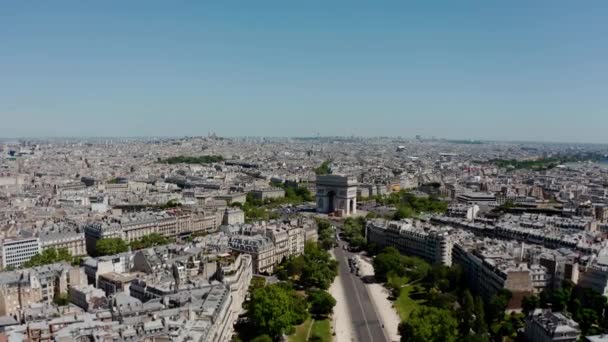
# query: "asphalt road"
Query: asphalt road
367,325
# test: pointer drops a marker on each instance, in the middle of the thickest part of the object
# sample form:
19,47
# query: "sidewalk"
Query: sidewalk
384,307
341,320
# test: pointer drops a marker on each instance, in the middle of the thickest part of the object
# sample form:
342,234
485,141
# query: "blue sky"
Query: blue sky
517,70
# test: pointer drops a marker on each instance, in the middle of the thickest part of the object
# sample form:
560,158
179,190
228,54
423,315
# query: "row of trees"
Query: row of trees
538,164
315,269
150,240
409,205
353,231
293,195
255,210
274,310
193,160
547,163
111,246
445,309
51,256
391,263
327,234
324,168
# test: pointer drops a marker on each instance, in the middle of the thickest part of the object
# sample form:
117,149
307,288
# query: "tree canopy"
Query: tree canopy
262,338
50,256
315,269
321,302
150,240
319,268
354,232
409,205
256,210
276,308
439,297
111,246
390,261
61,300
324,168
327,234
428,324
588,307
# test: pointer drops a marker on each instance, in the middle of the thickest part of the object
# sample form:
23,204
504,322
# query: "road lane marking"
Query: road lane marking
371,338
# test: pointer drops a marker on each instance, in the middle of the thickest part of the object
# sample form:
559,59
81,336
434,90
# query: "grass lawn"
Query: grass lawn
404,304
320,328
301,332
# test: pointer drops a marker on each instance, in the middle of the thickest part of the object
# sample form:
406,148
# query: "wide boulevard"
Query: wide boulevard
368,327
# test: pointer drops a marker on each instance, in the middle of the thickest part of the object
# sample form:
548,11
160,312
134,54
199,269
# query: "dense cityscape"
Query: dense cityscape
303,171
302,239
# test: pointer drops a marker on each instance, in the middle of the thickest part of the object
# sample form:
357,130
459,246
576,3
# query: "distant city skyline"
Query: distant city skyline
515,71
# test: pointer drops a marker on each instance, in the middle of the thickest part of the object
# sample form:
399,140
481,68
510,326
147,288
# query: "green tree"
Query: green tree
587,318
321,302
427,324
388,261
403,212
529,303
61,300
319,268
326,234
275,308
150,240
324,168
467,313
497,305
560,299
262,338
49,256
111,246
480,325
474,338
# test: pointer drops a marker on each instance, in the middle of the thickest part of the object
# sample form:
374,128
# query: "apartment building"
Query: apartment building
261,249
268,194
468,212
478,198
269,243
547,326
119,263
18,251
20,289
134,226
195,315
73,241
237,275
489,266
595,274
429,243
233,216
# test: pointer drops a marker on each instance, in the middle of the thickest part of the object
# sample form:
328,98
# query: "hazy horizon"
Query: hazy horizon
516,71
406,138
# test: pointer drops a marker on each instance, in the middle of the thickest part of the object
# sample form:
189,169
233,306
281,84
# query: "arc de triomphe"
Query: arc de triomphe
337,193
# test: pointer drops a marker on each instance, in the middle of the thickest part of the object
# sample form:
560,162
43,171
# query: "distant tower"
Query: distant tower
201,265
175,272
219,272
